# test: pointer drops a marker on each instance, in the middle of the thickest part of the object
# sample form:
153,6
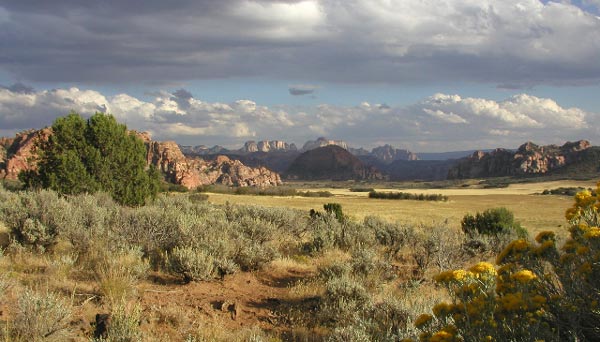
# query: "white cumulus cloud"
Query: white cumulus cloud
439,122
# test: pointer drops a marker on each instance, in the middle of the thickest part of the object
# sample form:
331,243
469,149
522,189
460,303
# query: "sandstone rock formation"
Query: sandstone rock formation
193,172
267,146
19,152
321,142
529,159
388,154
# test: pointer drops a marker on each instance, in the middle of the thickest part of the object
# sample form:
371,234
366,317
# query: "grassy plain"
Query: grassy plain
535,212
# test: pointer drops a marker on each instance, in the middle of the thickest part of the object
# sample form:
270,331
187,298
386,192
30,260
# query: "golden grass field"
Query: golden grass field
535,212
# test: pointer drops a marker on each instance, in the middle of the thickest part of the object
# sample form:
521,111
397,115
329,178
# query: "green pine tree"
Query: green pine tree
98,154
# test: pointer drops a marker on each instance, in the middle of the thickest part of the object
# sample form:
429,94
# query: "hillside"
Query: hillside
330,162
529,160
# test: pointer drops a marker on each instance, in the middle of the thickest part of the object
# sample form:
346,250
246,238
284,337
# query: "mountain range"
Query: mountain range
266,162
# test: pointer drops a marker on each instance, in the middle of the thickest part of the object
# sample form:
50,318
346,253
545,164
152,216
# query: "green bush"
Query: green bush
335,209
494,222
98,154
407,196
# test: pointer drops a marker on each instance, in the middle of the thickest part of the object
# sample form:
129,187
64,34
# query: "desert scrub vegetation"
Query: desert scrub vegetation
537,291
369,278
407,196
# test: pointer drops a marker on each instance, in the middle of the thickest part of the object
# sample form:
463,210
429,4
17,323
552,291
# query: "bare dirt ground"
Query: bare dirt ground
240,301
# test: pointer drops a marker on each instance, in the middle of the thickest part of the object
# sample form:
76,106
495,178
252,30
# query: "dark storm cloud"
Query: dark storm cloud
182,97
19,88
508,42
299,90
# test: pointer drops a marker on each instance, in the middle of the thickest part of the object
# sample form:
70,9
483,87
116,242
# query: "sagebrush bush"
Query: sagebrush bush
191,263
343,301
40,316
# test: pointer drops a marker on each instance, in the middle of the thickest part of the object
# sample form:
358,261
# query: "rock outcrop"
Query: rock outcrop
267,146
19,152
330,162
322,142
389,154
529,159
193,172
202,150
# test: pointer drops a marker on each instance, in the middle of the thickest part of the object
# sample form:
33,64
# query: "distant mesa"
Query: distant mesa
321,142
330,162
201,150
528,159
389,154
268,146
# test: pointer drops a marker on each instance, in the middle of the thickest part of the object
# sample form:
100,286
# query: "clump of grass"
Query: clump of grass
124,324
117,275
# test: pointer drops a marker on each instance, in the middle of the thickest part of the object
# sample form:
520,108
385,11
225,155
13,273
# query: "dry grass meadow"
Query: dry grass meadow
287,277
535,212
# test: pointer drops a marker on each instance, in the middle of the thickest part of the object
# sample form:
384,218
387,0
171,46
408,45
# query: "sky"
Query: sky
426,75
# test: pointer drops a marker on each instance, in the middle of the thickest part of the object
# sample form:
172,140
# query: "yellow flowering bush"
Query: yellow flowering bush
537,293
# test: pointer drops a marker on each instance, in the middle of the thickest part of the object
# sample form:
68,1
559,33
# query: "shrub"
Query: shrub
40,317
124,325
98,154
191,263
493,222
343,301
407,196
335,209
360,189
537,293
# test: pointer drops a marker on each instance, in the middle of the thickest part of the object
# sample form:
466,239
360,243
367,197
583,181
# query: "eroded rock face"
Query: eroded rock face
19,152
388,154
528,159
322,142
267,146
193,172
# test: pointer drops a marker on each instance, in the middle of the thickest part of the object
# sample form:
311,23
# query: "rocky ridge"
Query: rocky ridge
17,154
330,162
193,172
322,142
529,159
267,146
389,154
